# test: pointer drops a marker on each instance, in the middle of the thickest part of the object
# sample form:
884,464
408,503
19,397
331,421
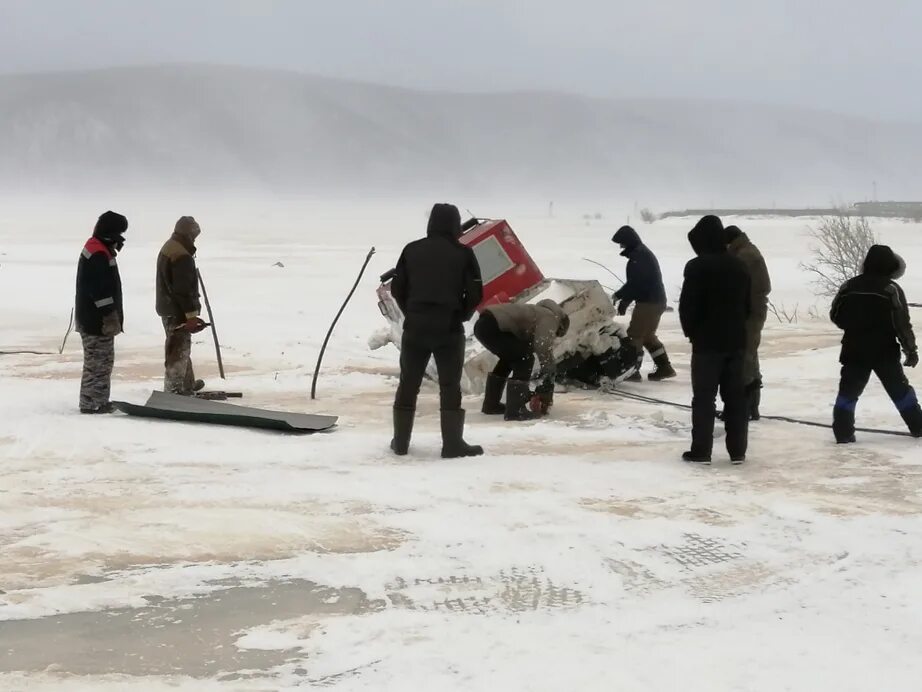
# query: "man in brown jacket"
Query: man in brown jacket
739,245
178,306
517,333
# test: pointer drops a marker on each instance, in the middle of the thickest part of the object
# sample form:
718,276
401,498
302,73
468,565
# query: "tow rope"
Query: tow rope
781,419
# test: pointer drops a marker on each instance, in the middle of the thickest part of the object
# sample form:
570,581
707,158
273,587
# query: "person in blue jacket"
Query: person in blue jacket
644,287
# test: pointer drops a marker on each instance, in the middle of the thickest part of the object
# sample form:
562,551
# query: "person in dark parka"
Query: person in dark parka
644,287
98,310
872,311
739,245
713,309
438,287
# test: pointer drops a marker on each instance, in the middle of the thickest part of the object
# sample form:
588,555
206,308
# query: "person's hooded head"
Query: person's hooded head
444,221
563,319
110,229
627,238
707,237
187,228
883,262
731,233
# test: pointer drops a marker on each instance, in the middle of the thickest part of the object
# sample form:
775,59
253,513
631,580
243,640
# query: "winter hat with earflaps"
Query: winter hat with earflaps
187,227
110,228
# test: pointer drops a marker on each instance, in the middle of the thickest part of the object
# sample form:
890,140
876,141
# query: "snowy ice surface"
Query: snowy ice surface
578,554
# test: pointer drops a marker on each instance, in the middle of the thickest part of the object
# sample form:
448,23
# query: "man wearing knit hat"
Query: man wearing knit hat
179,306
98,310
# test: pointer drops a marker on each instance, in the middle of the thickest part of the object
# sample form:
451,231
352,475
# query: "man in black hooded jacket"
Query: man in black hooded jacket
438,287
713,309
872,311
98,310
644,287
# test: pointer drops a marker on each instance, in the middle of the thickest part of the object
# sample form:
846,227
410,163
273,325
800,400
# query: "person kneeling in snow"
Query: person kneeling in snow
872,311
438,287
516,333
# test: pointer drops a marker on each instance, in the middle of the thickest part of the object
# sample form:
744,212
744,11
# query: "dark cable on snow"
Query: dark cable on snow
781,419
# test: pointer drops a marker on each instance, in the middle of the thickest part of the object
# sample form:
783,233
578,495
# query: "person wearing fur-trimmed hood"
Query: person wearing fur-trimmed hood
872,311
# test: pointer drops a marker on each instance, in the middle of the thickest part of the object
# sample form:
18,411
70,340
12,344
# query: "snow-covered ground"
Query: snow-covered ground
579,554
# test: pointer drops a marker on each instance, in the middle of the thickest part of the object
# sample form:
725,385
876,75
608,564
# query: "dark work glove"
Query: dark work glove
622,307
912,359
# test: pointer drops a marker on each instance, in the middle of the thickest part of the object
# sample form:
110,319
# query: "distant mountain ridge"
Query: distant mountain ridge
229,127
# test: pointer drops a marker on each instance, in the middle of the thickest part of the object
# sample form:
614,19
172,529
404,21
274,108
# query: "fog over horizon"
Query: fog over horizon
661,103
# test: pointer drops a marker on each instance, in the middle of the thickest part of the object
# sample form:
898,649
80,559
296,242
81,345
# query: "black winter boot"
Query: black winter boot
754,397
913,419
664,369
453,444
696,458
843,425
518,397
493,395
403,430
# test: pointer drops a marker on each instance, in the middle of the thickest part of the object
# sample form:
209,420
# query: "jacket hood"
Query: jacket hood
444,221
563,320
110,229
707,237
187,227
732,233
627,238
883,261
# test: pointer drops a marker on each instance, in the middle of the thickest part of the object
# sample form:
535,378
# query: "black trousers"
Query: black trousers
854,379
712,373
515,355
415,351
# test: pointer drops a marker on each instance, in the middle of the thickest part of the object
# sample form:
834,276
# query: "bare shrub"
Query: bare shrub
784,314
647,216
839,244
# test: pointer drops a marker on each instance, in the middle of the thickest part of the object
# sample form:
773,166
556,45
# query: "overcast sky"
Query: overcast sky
852,56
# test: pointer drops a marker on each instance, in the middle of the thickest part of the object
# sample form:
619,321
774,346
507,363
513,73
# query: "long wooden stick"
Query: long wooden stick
214,332
335,320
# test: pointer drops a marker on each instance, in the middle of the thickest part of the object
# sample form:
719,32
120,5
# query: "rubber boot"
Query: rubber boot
843,424
664,369
913,419
493,395
518,398
403,430
754,398
453,444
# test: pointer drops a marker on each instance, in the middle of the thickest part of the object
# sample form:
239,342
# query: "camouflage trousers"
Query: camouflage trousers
179,378
98,361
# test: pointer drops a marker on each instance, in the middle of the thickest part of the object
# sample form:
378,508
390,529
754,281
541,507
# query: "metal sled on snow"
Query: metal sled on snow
193,410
